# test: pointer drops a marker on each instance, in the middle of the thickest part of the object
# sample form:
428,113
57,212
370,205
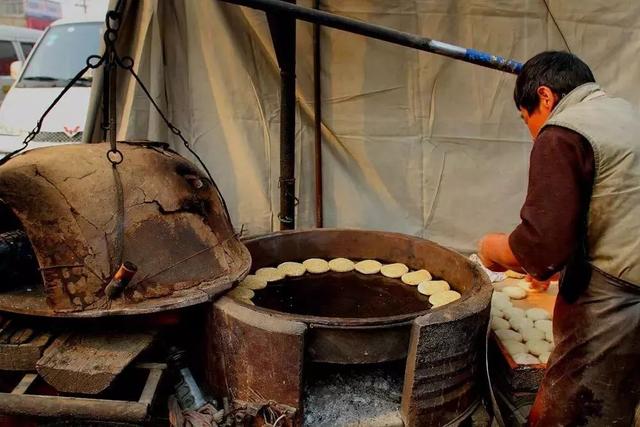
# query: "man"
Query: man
582,217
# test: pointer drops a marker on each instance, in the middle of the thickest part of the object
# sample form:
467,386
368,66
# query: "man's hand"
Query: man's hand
487,252
495,253
541,285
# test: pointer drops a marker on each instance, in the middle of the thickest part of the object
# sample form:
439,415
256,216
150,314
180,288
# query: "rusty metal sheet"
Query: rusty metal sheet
176,230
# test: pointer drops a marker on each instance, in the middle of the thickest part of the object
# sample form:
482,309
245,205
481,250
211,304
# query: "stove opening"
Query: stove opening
343,395
18,265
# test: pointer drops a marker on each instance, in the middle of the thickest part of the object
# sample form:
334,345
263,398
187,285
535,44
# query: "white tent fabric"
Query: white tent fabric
412,142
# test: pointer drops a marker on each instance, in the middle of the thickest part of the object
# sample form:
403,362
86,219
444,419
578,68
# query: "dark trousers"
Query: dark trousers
593,374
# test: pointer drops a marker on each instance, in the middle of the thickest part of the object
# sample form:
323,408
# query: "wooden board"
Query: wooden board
21,345
523,377
88,363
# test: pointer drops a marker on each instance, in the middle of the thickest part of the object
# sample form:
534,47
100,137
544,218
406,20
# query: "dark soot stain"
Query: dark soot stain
349,294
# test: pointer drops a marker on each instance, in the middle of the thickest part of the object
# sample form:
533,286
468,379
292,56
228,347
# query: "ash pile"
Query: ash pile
351,395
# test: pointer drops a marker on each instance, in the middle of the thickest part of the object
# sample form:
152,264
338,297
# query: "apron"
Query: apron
593,374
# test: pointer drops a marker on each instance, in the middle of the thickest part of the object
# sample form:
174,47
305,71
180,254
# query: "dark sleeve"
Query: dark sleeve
561,173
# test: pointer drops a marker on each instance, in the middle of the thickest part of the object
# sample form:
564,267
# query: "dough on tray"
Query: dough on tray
549,337
544,325
538,347
525,359
341,265
252,281
241,293
394,271
414,278
538,314
292,269
368,266
511,312
443,298
431,287
500,300
316,265
514,347
514,292
508,335
532,334
270,274
245,301
496,312
514,274
498,323
544,357
520,323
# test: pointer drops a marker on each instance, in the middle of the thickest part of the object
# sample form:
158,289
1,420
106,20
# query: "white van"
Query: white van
57,57
15,45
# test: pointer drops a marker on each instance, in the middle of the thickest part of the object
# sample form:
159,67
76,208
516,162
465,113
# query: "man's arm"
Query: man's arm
561,174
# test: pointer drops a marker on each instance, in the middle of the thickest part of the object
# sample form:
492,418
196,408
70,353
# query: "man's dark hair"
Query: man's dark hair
559,71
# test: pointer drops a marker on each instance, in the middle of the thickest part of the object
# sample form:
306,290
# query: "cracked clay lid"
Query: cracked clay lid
174,227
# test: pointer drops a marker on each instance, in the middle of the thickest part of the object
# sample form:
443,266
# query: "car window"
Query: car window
61,53
7,56
26,48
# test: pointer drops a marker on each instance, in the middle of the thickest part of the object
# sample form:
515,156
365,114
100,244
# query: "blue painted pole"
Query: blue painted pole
383,33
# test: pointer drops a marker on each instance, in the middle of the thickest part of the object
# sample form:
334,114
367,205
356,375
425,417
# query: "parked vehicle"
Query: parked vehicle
15,45
57,57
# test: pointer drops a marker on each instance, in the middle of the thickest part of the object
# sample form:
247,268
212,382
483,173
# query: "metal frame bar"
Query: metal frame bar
379,32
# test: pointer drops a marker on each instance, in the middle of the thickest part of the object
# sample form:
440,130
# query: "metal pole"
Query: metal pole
383,33
317,115
283,33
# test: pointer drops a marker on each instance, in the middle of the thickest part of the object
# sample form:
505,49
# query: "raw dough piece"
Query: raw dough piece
253,282
514,347
341,265
544,357
368,266
394,271
270,274
544,325
520,323
537,347
316,265
500,300
538,314
508,335
525,359
523,284
511,312
245,301
496,312
514,274
241,293
443,298
532,334
292,269
431,287
498,323
549,337
414,278
514,292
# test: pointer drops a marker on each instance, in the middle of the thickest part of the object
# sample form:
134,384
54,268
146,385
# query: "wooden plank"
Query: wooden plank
150,386
72,407
21,335
23,357
24,383
89,362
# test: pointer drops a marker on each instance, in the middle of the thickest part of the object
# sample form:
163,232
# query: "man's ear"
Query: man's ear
548,99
